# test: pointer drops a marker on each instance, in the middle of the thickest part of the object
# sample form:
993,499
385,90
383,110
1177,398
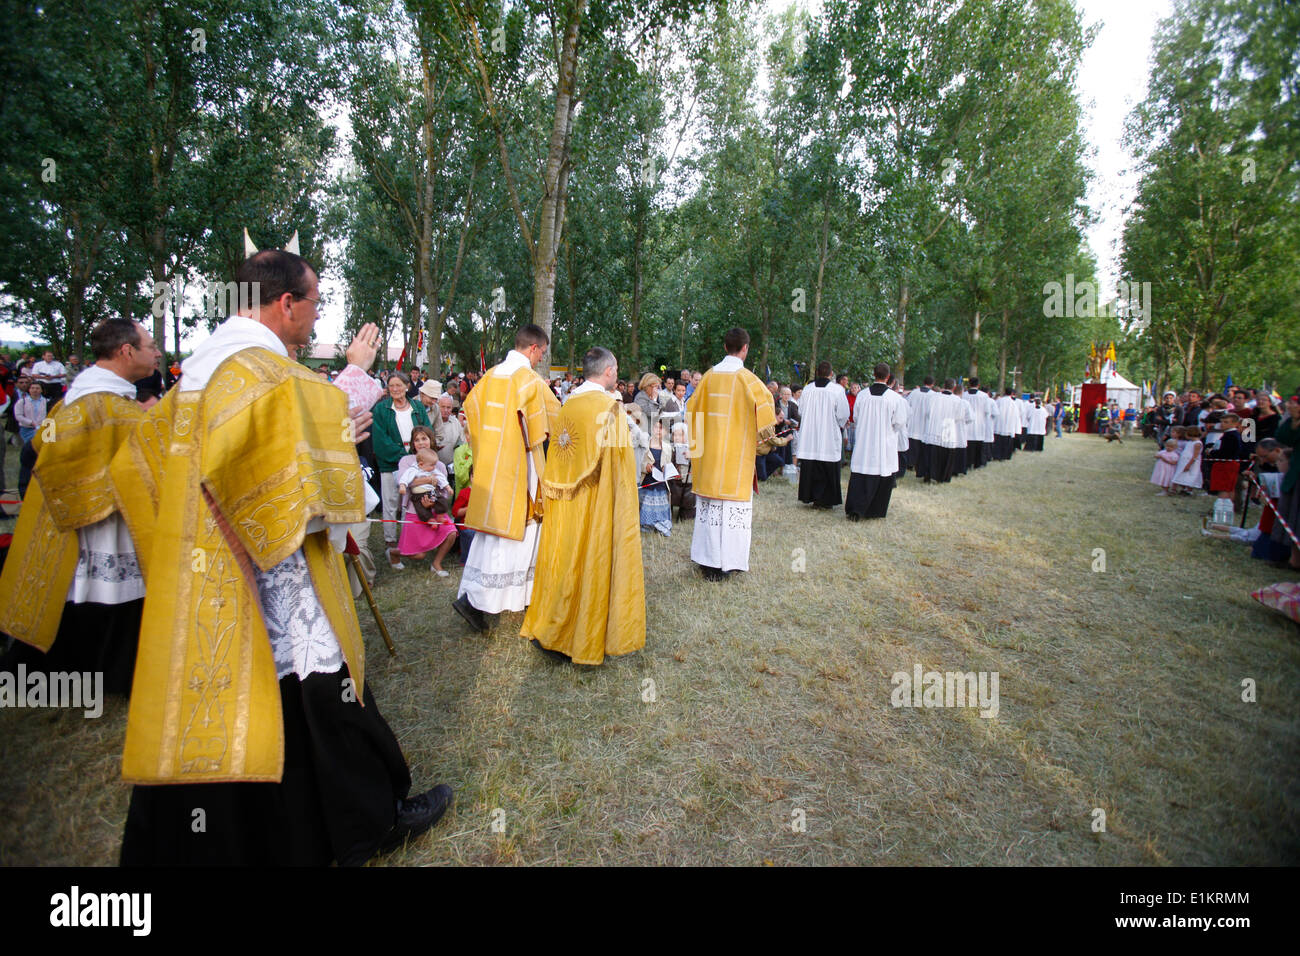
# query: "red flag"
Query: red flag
400,359
482,365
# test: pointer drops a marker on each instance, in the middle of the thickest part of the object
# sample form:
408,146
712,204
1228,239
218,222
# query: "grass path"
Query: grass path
1119,690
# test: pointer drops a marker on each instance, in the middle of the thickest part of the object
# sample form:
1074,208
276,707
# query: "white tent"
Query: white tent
1118,388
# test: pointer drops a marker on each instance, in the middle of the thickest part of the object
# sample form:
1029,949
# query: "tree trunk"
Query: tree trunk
573,304
900,361
1002,356
638,240
158,269
823,246
681,339
556,177
975,346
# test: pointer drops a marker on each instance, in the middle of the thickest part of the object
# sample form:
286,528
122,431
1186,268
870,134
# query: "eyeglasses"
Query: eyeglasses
319,302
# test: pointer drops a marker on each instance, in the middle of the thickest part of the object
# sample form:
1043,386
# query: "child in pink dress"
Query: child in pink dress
1163,473
427,527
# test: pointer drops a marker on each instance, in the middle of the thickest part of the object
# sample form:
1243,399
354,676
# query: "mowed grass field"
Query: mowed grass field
770,736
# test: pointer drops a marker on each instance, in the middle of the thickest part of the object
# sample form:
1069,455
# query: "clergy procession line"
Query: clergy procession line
190,549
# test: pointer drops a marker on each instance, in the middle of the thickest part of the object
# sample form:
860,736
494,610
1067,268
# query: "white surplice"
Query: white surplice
982,407
1024,408
498,573
822,414
1007,421
880,420
108,571
1037,421
919,401
945,411
965,422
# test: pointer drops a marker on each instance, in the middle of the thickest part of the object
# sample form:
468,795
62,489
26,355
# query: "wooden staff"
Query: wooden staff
352,552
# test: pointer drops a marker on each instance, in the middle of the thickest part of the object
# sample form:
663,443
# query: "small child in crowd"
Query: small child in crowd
1163,472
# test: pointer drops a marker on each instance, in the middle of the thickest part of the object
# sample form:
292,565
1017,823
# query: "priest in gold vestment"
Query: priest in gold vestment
508,414
729,412
250,699
72,591
589,597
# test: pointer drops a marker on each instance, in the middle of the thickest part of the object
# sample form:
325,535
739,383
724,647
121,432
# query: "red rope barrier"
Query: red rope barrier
1277,515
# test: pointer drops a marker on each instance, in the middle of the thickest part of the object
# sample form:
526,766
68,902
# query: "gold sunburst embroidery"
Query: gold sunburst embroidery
566,442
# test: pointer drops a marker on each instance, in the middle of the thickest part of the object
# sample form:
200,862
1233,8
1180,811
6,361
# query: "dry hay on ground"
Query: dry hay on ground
1119,690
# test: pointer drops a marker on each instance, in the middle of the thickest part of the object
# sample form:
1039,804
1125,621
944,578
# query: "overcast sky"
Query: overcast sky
1112,79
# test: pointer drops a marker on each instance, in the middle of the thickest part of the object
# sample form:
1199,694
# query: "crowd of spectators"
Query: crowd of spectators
1236,446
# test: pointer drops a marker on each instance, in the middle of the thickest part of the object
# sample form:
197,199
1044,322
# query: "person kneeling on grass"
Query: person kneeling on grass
427,527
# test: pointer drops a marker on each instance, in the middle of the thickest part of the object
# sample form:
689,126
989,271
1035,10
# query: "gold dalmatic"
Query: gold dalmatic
729,414
216,485
497,411
71,488
589,590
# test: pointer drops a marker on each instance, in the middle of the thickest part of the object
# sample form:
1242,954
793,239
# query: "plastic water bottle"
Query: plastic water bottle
1222,511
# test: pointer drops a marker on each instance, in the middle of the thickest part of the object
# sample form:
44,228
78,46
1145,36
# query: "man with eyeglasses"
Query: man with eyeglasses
250,698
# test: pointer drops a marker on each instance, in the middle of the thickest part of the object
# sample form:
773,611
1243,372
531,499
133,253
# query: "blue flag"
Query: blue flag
1228,384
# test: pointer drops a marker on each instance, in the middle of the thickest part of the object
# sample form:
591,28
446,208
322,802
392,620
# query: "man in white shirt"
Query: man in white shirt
880,418
980,443
919,401
450,435
1037,427
1006,426
52,376
822,414
943,432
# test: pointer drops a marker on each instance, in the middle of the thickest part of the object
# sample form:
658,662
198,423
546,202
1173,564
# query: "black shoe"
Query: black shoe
415,815
472,615
556,656
712,574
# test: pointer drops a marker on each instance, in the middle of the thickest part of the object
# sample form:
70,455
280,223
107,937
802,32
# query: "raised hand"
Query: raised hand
364,347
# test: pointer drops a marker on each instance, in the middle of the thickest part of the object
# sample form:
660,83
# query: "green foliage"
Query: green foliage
1215,228
896,180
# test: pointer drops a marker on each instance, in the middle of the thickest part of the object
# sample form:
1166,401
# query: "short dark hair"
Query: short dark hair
531,334
881,371
973,381
928,380
824,370
948,383
272,272
595,361
110,335
735,340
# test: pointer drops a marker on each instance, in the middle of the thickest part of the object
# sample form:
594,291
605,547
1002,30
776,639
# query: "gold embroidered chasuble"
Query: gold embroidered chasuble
215,484
71,488
499,502
589,591
729,414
